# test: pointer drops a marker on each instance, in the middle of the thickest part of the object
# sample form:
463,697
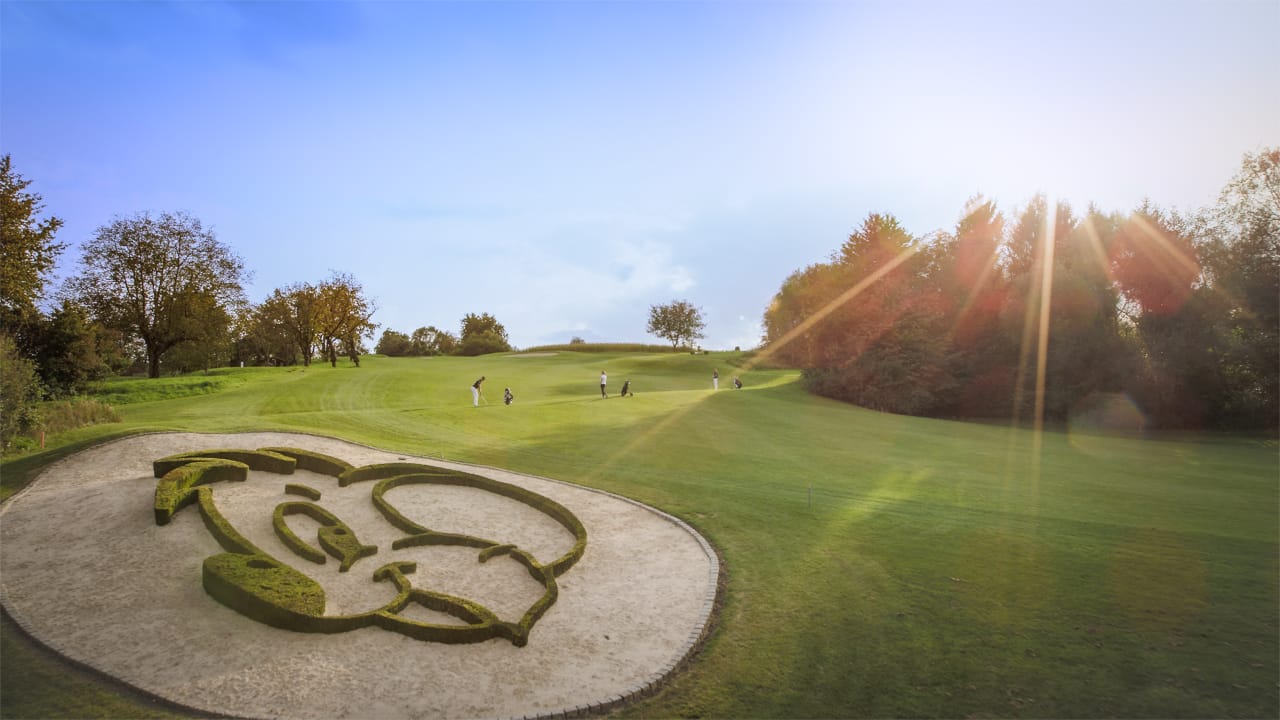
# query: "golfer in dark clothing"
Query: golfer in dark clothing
475,391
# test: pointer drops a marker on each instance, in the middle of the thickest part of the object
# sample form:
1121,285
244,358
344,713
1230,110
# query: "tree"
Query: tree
343,316
28,250
394,344
1238,241
678,322
69,354
975,288
280,329
208,340
482,334
297,307
163,279
431,340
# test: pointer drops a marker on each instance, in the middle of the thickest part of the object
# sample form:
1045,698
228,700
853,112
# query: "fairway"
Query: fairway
877,565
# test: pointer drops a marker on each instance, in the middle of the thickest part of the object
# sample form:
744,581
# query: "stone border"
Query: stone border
712,604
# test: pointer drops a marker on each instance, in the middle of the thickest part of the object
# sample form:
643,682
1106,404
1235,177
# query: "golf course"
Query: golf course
874,565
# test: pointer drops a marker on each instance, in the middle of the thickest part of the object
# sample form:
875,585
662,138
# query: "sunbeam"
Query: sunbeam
844,297
1095,245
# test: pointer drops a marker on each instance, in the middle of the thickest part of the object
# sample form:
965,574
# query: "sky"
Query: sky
564,165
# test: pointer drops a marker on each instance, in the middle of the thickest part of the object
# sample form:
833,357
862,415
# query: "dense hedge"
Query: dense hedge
258,586
176,488
335,537
303,490
313,461
255,459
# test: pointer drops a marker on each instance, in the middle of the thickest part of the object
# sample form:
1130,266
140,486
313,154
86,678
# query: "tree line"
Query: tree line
159,293
1047,313
479,335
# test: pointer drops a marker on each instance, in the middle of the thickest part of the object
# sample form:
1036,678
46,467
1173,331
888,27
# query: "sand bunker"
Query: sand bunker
85,569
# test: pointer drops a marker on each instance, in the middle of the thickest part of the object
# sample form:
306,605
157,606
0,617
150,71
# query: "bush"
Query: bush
71,414
19,392
482,343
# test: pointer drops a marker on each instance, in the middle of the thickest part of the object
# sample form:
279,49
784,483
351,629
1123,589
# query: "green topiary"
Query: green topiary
251,582
313,461
307,492
176,488
255,459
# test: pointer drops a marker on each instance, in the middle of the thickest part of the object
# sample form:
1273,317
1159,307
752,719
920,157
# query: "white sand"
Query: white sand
85,569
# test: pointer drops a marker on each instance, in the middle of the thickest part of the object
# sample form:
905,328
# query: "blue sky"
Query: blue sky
565,165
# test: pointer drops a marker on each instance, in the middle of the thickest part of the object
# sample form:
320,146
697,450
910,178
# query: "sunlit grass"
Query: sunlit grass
879,565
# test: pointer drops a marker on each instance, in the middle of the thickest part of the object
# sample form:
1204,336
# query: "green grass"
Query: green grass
879,565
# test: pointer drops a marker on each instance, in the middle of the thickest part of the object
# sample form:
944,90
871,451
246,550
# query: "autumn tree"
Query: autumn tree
164,279
678,322
343,318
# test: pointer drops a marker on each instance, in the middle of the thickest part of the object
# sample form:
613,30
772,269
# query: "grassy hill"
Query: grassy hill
878,565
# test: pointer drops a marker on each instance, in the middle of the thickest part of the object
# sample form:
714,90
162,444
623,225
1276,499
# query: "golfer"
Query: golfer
715,379
475,392
604,380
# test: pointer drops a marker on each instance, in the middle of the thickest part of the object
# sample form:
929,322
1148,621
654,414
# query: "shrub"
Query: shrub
313,461
178,485
255,459
71,414
19,393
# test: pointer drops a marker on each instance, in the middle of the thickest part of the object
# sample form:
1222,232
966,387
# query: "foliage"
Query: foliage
431,340
1033,319
677,322
165,279
1240,248
482,334
482,343
343,316
425,341
28,250
394,344
64,415
880,343
19,393
70,347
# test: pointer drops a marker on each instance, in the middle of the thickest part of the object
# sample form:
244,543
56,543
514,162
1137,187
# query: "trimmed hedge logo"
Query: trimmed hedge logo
251,582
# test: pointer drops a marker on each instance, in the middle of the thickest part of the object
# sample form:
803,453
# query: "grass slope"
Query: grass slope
879,565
